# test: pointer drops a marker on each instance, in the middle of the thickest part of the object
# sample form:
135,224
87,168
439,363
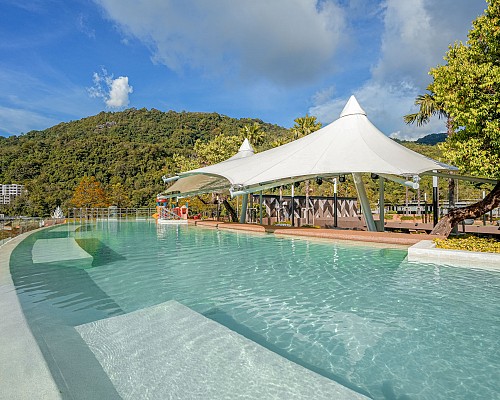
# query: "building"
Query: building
8,192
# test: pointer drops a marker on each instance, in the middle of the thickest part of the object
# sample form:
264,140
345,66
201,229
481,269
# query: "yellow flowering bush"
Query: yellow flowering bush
470,243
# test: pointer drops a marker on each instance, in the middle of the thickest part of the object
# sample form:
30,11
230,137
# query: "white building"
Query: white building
8,192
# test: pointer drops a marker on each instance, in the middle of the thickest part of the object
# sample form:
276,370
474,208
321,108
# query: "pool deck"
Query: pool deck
404,239
23,370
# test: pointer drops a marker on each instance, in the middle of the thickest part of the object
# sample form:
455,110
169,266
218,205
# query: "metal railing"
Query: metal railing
168,214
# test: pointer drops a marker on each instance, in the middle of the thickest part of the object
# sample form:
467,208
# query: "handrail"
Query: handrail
167,214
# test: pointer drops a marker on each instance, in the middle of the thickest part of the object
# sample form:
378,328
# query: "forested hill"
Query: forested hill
131,147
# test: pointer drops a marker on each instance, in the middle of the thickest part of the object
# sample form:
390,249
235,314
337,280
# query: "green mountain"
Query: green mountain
131,150
432,139
131,147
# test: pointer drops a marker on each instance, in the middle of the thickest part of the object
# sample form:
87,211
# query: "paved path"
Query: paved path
404,239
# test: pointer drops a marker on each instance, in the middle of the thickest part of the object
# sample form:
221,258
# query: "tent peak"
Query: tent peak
352,107
246,150
246,147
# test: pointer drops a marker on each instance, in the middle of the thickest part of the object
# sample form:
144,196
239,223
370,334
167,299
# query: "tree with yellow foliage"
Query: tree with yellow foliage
89,193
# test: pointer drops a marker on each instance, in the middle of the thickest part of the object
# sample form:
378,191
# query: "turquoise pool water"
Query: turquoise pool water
361,315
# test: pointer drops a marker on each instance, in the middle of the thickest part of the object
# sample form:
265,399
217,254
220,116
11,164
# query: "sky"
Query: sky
275,60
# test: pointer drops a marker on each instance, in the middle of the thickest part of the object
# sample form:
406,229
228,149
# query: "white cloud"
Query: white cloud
84,27
417,34
114,92
32,102
17,120
385,106
415,37
118,94
284,41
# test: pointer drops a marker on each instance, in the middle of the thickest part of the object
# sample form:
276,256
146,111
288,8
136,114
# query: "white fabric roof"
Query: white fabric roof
350,144
201,183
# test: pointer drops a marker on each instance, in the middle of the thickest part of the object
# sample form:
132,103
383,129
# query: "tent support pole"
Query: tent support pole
435,205
244,203
260,206
335,211
365,204
381,203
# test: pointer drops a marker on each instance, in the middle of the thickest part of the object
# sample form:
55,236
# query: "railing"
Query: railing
10,227
167,214
110,213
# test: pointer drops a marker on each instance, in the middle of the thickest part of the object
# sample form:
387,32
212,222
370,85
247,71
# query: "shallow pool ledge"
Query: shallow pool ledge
23,370
426,251
171,351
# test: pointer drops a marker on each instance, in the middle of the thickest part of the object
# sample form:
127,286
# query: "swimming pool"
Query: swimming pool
357,314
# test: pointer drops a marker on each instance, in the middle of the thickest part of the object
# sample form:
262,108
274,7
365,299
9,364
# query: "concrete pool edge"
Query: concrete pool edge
426,251
26,375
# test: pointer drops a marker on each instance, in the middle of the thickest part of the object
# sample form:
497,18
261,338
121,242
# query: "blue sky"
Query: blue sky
275,60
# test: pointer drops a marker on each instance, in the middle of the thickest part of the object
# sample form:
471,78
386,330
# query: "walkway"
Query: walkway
403,239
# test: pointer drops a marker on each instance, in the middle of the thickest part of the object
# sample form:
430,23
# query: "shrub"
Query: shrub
283,223
470,243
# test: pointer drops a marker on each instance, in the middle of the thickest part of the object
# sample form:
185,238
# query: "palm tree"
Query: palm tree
429,107
253,133
304,126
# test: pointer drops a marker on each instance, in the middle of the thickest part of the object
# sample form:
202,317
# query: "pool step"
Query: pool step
60,249
169,351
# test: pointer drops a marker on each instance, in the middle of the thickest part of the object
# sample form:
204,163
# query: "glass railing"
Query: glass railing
10,227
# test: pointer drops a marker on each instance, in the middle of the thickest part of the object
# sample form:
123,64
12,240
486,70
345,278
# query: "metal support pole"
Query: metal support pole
365,203
335,208
435,202
244,204
293,204
260,206
381,203
484,215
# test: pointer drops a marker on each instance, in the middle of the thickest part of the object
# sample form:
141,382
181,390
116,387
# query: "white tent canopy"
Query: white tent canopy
350,144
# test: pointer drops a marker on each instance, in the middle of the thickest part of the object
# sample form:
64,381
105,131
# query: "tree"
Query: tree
253,133
118,195
89,193
429,107
468,87
304,126
216,150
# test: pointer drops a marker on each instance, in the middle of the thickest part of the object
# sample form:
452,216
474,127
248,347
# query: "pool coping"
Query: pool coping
26,375
426,251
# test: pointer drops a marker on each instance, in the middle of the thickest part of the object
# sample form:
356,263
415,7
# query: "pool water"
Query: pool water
358,314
